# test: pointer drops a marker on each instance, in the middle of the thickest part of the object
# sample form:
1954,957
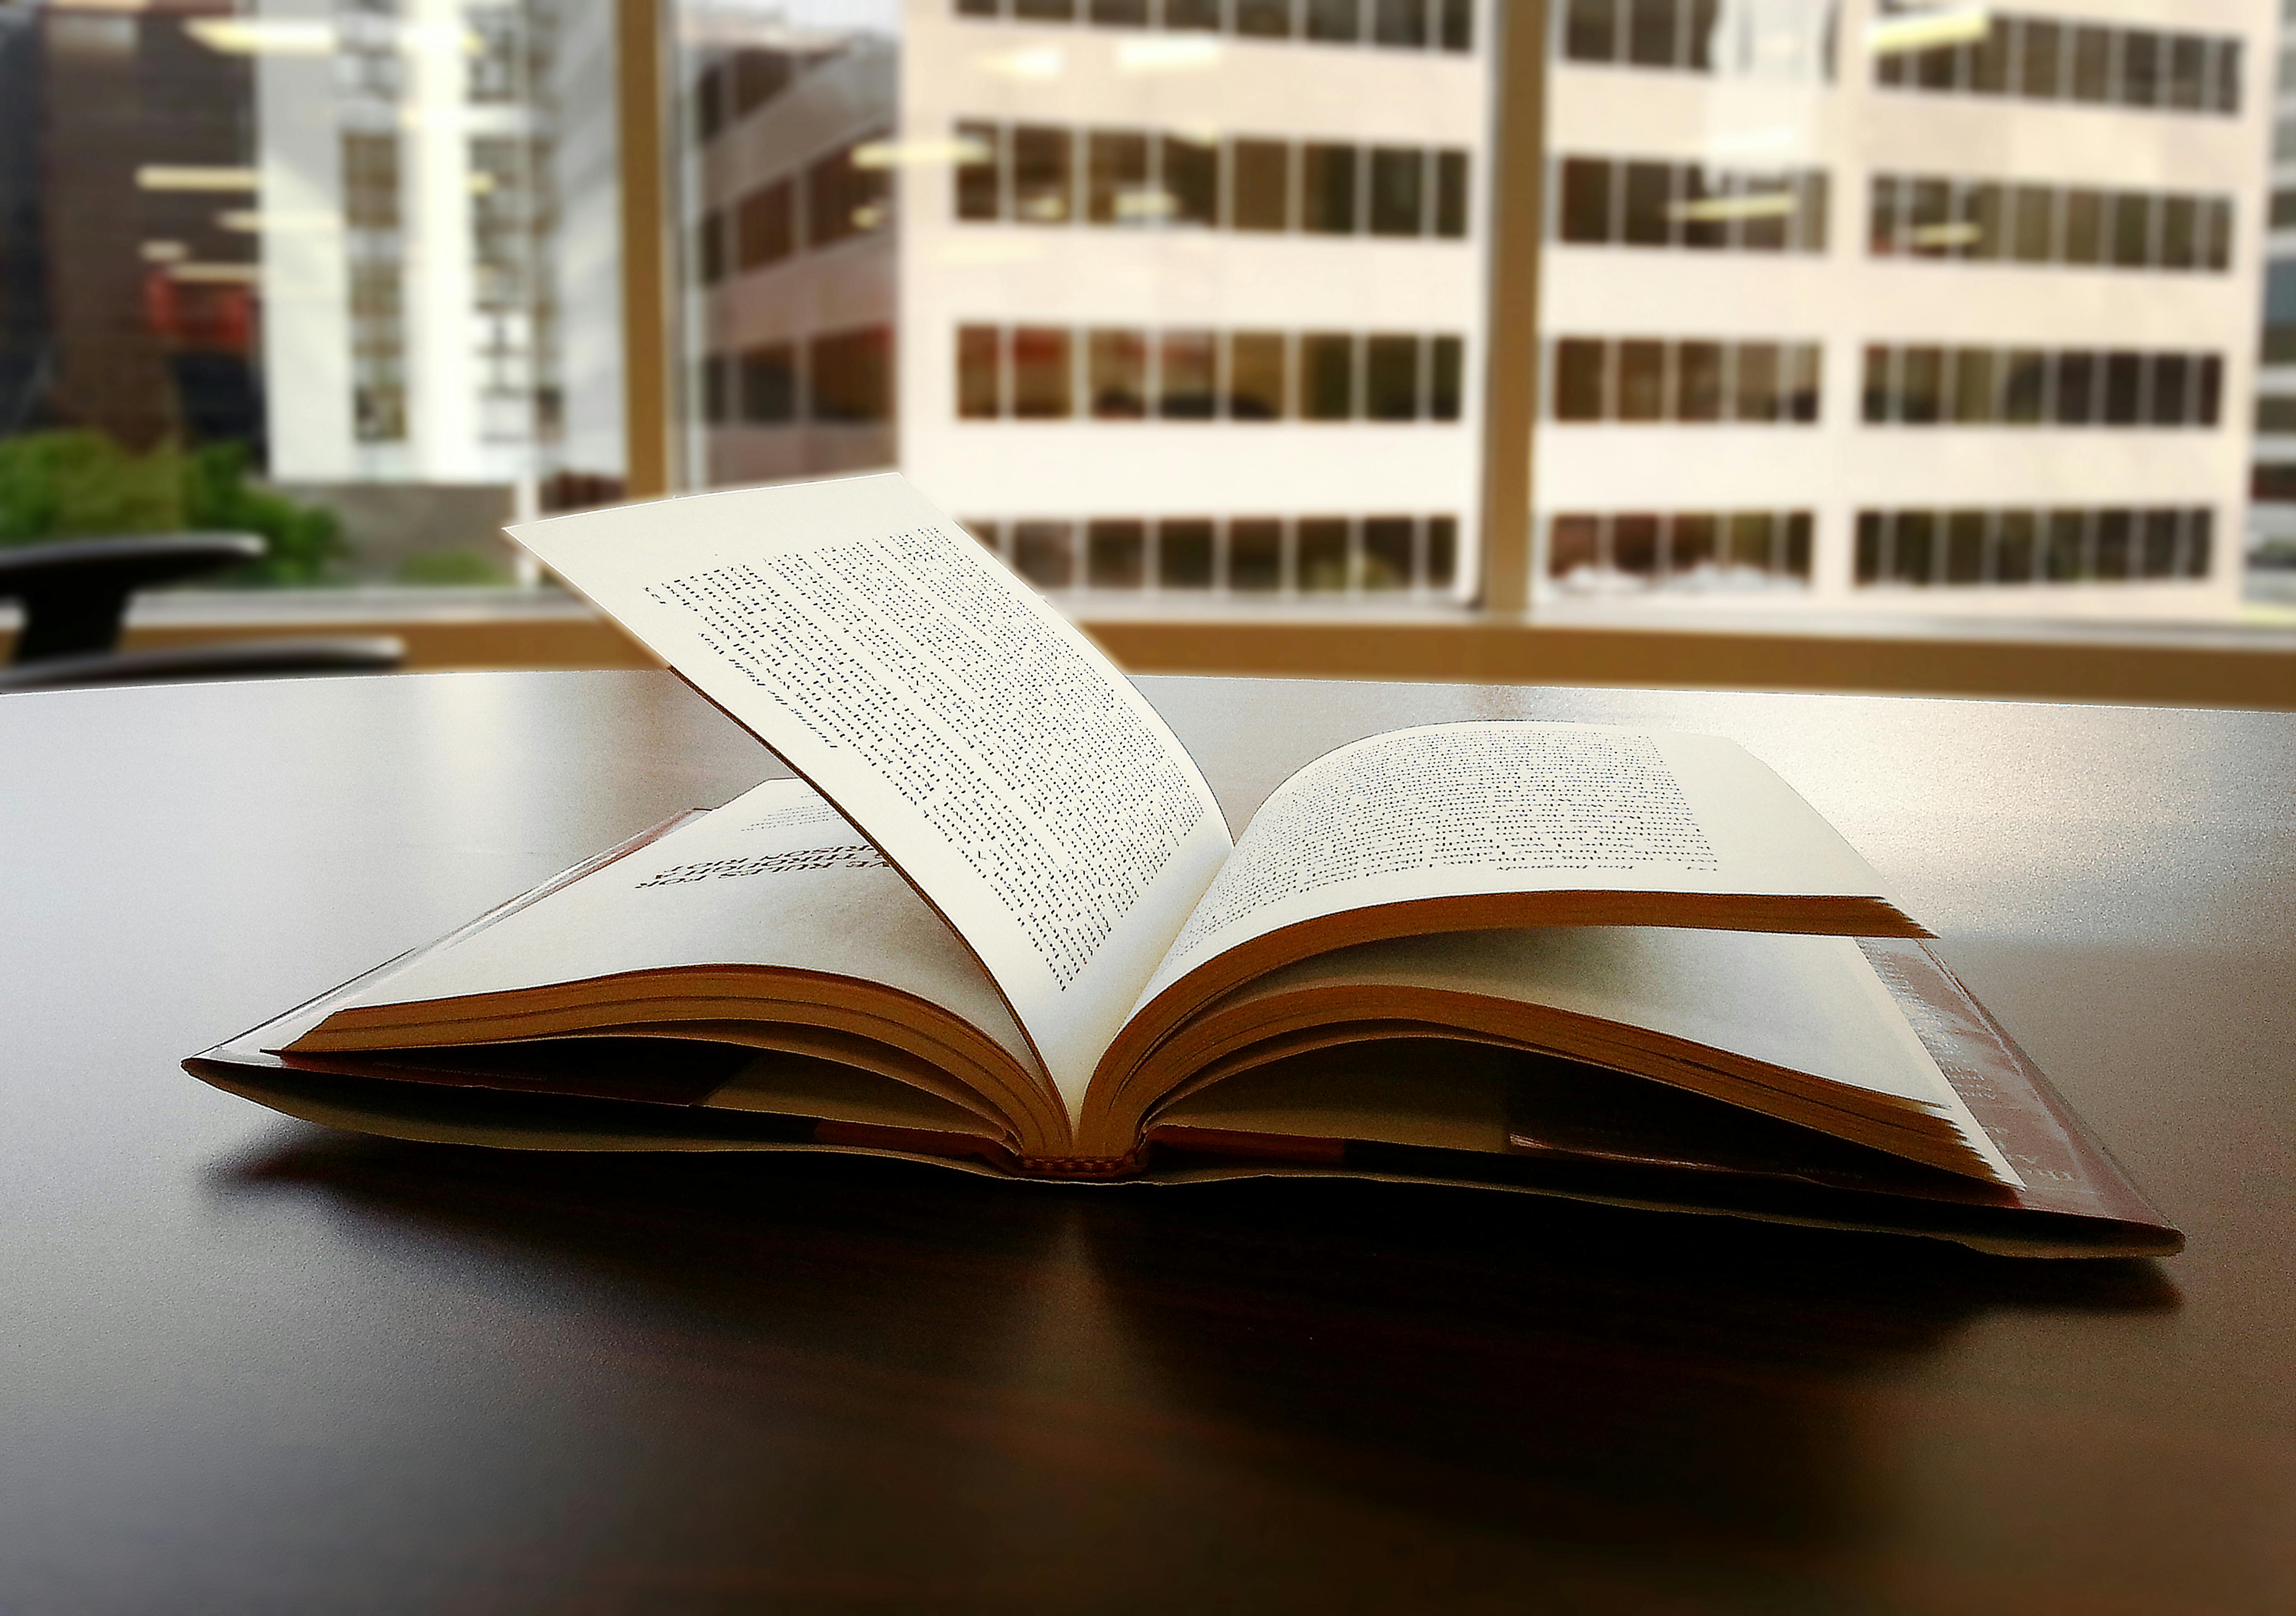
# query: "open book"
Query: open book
1000,921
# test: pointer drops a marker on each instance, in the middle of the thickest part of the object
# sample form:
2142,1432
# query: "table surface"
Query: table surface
247,1364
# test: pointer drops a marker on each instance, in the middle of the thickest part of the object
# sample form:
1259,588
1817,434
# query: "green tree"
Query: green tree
62,485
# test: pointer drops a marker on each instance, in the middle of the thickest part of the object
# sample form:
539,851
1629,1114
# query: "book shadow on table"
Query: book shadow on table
1579,1372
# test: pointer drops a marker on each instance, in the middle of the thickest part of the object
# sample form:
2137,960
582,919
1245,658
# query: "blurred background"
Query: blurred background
1798,343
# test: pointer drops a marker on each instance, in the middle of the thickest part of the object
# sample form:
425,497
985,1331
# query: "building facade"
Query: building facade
1943,311
1179,302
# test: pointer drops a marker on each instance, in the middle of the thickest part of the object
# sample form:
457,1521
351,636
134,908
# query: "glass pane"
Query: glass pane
1116,366
1327,376
1263,184
1185,386
1042,188
1255,556
1255,389
1396,191
1093,246
1116,167
1391,378
303,276
1327,188
1041,373
1185,558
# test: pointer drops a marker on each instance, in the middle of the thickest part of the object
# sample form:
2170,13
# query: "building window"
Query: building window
709,247
1678,550
1401,25
1606,202
2038,59
1042,387
1685,381
1920,385
1031,173
1692,37
1923,548
733,85
716,389
1932,217
1116,380
844,199
765,227
1380,554
769,385
1129,373
850,376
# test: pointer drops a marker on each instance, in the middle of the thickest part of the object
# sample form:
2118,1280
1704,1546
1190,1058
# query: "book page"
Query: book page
1461,809
994,755
1810,1005
774,878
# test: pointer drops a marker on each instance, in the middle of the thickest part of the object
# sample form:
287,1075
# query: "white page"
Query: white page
993,753
774,878
1506,806
1807,1004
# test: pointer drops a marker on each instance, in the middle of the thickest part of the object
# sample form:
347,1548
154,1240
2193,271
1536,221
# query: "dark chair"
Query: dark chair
75,596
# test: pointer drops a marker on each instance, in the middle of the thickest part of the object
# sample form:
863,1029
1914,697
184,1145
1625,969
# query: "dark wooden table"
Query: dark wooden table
251,1365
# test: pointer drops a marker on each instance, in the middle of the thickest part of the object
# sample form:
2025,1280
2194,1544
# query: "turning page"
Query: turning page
994,755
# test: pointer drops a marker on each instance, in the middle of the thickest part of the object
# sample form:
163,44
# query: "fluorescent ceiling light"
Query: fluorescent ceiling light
1924,30
163,177
1767,204
264,36
919,153
1042,62
240,274
165,253
247,221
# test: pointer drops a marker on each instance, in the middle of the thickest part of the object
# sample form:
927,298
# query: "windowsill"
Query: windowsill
1612,643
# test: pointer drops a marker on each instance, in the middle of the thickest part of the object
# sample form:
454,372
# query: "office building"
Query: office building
1180,298
1944,311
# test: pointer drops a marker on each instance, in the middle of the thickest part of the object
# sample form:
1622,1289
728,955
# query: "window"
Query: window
1263,184
1176,375
1117,184
1679,551
1118,363
1668,34
1931,218
1327,376
1185,387
844,199
1327,189
1402,25
1636,202
765,229
2083,63
1379,554
1257,374
1041,380
979,373
850,376
1042,188
769,385
1139,177
2025,548
1685,382
1926,386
